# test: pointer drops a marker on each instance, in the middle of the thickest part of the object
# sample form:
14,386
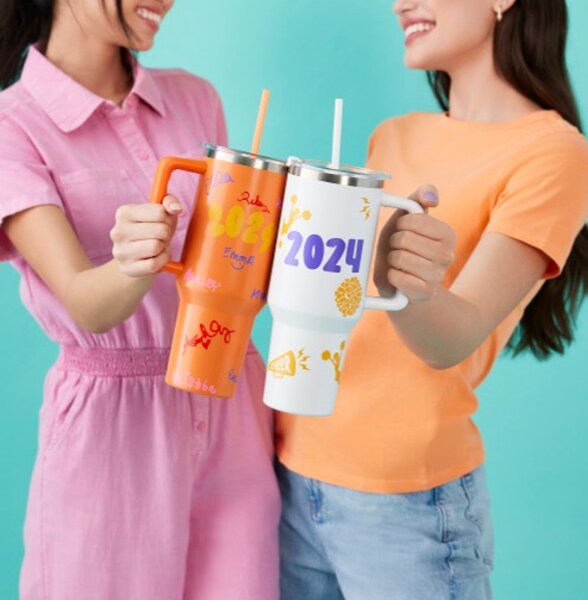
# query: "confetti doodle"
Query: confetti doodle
294,216
366,210
335,359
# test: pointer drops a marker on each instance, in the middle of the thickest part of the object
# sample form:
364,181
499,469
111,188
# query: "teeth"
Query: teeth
147,14
417,28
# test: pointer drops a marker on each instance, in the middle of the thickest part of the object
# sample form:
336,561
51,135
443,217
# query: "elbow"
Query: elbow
444,358
91,323
99,328
94,326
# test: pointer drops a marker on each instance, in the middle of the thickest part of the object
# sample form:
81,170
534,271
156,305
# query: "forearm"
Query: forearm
101,298
448,327
445,326
443,331
97,298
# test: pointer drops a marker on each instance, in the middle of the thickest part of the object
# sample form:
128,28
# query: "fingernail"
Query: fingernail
432,196
175,206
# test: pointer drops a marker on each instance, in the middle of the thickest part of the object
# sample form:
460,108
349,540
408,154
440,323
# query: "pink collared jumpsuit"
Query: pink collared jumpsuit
140,491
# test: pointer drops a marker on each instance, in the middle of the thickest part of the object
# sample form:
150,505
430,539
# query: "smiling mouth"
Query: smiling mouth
418,29
150,16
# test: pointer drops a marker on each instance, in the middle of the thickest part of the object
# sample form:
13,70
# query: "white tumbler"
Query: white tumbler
319,275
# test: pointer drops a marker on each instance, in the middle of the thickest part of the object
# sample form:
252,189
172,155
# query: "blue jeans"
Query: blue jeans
341,544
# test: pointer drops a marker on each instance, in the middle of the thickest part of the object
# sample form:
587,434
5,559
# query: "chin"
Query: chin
417,64
420,62
143,45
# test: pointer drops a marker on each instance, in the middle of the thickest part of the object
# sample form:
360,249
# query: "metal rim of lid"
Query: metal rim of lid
342,175
255,161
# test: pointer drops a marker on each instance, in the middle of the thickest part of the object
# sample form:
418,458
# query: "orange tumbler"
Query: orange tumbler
223,276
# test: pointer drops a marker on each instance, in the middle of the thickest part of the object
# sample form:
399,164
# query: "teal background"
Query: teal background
308,52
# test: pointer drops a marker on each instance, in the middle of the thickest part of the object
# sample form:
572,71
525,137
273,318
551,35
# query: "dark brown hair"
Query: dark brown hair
529,53
26,22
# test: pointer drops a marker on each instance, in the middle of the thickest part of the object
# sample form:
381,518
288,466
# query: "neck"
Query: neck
95,64
479,94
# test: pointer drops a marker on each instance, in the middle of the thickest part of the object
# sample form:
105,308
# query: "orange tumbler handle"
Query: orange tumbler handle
163,173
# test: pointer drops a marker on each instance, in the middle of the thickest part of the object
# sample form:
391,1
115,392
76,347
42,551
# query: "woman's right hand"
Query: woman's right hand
415,251
142,234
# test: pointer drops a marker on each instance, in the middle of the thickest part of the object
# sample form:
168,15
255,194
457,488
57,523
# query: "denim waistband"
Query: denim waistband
115,362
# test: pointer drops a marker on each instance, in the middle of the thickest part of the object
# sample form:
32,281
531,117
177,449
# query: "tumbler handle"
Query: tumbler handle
163,173
398,300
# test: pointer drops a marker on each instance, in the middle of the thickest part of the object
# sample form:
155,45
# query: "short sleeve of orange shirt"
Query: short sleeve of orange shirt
545,199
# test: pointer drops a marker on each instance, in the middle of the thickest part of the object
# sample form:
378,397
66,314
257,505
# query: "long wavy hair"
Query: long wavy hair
26,22
529,53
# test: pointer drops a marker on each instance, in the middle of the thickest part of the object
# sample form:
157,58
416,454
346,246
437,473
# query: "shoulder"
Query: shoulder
15,103
549,129
185,84
391,138
546,171
17,112
550,146
10,97
405,123
399,131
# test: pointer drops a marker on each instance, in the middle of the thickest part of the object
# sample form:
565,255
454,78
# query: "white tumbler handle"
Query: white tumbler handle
398,300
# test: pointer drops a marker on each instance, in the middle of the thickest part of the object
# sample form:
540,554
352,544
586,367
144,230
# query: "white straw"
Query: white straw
336,155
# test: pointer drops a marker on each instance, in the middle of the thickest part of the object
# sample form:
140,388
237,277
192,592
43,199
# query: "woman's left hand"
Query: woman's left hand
414,251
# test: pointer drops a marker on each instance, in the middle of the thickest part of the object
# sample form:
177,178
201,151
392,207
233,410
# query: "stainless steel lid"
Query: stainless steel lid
263,163
342,175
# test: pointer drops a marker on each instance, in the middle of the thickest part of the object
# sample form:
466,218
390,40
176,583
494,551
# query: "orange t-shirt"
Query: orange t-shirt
399,425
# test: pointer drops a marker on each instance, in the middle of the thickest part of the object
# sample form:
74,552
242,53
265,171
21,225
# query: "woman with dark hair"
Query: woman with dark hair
387,499
140,491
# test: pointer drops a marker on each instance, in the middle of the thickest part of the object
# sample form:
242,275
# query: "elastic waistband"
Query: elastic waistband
119,362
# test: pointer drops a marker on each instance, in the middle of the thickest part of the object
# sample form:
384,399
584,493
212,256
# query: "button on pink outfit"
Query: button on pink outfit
140,491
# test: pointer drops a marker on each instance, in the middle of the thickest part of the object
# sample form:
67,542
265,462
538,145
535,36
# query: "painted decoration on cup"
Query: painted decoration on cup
293,216
319,279
366,209
223,274
336,358
288,364
348,296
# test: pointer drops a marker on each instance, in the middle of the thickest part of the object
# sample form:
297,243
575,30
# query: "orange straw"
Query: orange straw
260,122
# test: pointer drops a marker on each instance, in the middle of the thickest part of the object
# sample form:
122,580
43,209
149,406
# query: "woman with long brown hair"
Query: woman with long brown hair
387,498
